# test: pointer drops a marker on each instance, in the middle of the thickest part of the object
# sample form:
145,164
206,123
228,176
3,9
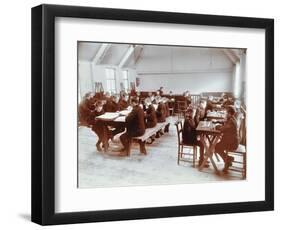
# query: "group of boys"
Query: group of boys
141,116
229,139
144,115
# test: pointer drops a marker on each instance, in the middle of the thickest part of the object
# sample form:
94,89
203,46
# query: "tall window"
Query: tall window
125,78
110,80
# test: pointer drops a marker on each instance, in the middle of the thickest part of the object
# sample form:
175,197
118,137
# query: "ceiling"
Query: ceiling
129,55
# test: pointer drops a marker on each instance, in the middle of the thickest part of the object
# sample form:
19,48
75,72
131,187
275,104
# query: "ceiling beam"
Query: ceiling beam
231,55
137,53
100,54
236,53
126,56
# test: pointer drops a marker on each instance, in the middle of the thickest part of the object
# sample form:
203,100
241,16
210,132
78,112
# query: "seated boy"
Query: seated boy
150,117
97,126
189,133
135,126
229,140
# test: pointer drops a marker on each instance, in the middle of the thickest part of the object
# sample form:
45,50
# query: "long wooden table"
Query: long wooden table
119,118
216,115
111,119
209,136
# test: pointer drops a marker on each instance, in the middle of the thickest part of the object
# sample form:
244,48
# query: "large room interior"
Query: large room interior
201,76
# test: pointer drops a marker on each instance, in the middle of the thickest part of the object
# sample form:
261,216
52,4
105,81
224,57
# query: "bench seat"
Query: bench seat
148,133
151,131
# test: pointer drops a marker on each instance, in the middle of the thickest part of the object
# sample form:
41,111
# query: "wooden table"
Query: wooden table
111,119
209,136
216,115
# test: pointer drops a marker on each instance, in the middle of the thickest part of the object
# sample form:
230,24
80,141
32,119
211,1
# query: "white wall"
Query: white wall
16,136
240,78
194,82
184,68
85,77
182,59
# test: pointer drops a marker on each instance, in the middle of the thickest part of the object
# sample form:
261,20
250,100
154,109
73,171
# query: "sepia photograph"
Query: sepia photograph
160,114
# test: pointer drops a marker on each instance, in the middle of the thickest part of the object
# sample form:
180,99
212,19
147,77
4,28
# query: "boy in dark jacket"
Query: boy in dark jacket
150,117
111,104
135,126
123,103
189,133
161,113
96,125
229,140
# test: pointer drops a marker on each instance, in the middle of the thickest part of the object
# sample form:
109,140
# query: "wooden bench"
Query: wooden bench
148,133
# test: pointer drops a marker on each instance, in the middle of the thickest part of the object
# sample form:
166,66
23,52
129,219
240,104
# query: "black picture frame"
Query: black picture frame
43,113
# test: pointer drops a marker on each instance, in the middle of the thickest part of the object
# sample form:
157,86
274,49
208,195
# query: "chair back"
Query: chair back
195,99
179,128
182,105
242,130
181,108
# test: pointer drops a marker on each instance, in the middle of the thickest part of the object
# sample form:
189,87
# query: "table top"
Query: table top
108,116
207,127
120,119
124,112
119,116
216,114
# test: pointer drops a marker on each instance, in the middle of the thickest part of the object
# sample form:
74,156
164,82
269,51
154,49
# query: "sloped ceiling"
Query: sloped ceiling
87,50
167,58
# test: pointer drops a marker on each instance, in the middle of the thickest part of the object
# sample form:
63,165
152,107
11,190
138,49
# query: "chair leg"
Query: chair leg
181,151
244,166
217,157
178,155
194,155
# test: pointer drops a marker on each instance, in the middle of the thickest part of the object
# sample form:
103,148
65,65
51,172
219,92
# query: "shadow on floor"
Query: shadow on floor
25,216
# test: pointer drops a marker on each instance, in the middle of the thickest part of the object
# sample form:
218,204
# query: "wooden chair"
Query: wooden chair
195,99
181,108
171,106
240,159
182,146
240,156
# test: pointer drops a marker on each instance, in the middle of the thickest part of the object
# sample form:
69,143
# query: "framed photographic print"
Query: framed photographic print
143,114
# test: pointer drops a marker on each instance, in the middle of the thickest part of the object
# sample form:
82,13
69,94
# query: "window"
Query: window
125,78
110,80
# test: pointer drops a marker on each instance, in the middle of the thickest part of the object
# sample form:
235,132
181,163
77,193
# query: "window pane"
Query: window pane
126,85
110,80
125,77
125,74
107,85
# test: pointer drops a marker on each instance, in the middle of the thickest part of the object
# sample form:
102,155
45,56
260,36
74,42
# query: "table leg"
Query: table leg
105,138
212,150
209,152
202,139
142,147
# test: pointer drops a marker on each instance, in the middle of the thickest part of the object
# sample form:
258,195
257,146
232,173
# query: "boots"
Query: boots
206,164
166,130
228,163
98,146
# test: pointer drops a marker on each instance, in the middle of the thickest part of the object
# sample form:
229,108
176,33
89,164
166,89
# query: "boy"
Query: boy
189,133
229,140
135,126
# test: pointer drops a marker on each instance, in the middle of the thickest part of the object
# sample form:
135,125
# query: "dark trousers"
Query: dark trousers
222,146
98,129
119,128
126,140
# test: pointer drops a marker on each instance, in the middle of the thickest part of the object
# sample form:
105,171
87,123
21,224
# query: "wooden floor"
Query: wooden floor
159,166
